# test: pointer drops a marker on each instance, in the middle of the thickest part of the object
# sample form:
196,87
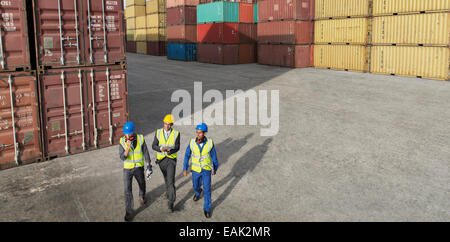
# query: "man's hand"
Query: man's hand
149,172
164,149
214,172
184,173
128,144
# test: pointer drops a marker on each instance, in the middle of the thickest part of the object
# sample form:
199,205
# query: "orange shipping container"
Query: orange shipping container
182,33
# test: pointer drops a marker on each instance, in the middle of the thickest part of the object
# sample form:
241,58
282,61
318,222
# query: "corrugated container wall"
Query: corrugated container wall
286,32
181,51
182,33
177,3
352,31
218,12
414,29
14,44
226,54
424,62
226,33
295,56
342,57
20,136
276,10
182,15
325,9
155,6
383,7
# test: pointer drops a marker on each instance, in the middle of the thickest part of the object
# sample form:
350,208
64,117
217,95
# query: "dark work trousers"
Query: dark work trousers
168,167
128,175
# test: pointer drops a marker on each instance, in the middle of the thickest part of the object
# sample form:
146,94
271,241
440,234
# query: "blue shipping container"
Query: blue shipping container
181,51
218,12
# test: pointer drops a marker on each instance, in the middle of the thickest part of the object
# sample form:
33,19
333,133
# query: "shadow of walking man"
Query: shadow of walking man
224,150
244,165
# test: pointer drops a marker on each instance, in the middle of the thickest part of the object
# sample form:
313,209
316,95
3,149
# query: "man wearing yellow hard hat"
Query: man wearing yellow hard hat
166,144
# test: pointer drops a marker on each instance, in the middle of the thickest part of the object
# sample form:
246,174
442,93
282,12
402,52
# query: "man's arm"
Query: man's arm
155,145
187,156
122,153
177,145
214,158
146,153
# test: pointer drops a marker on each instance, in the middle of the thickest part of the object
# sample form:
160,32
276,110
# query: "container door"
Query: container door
59,34
105,36
108,105
64,112
19,125
14,51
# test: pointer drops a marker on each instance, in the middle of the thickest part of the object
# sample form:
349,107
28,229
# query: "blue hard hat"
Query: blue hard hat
128,128
203,127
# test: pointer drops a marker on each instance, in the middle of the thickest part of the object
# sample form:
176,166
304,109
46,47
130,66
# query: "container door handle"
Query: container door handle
76,31
82,109
90,32
65,110
105,51
60,33
2,58
93,108
16,145
109,107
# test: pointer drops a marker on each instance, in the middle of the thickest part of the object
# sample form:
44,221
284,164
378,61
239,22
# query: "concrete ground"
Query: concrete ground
351,147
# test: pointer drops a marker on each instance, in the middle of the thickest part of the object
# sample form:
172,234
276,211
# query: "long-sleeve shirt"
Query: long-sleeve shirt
157,148
143,148
212,153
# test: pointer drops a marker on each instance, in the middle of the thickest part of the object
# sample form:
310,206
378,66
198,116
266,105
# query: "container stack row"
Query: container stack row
136,26
182,29
411,38
63,82
226,32
342,34
285,32
156,27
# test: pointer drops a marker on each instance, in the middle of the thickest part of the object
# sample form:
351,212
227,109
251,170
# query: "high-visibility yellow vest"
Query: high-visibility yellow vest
135,156
170,142
201,160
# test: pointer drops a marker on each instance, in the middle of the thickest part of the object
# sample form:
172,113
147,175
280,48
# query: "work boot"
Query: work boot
142,201
128,217
170,207
196,198
207,214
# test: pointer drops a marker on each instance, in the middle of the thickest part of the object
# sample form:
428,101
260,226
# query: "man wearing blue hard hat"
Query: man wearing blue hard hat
204,163
133,152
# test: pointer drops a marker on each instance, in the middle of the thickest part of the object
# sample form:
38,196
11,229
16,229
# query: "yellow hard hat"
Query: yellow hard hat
168,119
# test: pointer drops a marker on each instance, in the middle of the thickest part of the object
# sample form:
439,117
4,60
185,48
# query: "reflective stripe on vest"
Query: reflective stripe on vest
170,142
135,157
201,160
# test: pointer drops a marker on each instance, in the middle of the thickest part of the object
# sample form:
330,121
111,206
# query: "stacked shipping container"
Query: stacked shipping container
342,34
226,32
135,12
285,32
411,38
182,29
156,27
63,86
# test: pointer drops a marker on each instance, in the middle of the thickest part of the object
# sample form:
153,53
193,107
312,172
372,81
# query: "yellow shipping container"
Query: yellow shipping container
131,35
136,35
351,30
141,22
141,47
131,23
135,11
427,29
156,6
156,20
156,34
404,6
341,57
341,8
415,61
135,2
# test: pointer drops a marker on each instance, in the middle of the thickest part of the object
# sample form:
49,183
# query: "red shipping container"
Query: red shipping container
177,3
76,117
286,32
182,33
158,48
275,10
226,54
285,55
131,46
14,45
246,12
226,33
19,122
105,39
182,15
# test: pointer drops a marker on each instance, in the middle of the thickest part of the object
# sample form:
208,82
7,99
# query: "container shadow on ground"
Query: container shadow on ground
153,79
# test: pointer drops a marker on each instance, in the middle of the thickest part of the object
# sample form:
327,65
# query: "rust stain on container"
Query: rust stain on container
19,123
14,50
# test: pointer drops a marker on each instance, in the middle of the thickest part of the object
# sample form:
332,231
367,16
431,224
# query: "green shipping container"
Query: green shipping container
255,13
218,12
